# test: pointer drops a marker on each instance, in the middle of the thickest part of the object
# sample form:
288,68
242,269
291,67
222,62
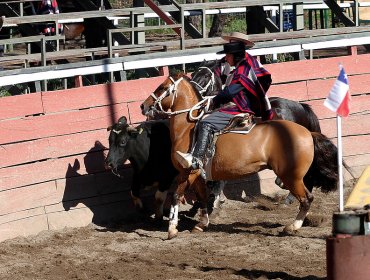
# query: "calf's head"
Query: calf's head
119,143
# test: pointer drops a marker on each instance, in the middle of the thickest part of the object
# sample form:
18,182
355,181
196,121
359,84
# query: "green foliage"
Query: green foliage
4,92
281,57
235,25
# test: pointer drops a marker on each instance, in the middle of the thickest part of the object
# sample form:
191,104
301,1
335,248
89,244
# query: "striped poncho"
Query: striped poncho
255,84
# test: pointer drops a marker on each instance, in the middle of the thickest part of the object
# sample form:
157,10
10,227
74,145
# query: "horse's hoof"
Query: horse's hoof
289,229
172,231
172,234
197,230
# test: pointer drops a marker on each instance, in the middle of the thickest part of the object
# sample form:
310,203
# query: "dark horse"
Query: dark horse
208,84
300,158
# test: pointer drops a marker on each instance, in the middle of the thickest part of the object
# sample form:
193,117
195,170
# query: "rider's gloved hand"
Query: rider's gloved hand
268,115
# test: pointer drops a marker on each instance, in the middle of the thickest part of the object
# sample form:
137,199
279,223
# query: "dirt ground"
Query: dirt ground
245,241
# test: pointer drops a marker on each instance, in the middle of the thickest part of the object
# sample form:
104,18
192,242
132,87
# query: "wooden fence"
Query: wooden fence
52,144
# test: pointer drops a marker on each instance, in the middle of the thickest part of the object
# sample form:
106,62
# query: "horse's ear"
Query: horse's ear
179,74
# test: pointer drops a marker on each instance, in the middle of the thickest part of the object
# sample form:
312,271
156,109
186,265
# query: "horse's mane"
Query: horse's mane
200,78
211,64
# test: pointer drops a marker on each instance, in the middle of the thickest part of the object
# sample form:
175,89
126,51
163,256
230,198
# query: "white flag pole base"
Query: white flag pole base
340,165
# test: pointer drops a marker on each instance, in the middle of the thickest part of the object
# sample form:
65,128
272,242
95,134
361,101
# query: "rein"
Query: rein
173,90
211,82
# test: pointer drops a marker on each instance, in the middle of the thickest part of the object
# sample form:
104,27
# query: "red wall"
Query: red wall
52,144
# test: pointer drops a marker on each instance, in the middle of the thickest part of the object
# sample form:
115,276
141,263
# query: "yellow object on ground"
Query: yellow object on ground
360,195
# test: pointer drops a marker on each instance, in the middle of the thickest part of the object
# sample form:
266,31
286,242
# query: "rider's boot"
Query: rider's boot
195,160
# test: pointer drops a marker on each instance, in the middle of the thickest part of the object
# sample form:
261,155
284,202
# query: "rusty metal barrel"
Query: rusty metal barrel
348,249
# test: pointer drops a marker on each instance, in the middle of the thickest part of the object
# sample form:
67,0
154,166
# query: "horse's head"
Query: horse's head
162,99
205,80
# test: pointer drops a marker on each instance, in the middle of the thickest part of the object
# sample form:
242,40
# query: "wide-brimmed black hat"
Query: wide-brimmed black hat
233,47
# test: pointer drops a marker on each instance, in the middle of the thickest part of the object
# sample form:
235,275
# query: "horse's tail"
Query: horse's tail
313,120
323,172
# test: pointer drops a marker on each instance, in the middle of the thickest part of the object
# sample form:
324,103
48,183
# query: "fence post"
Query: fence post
43,62
78,81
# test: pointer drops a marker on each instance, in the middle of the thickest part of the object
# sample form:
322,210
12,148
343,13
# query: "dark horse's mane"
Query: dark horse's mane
211,65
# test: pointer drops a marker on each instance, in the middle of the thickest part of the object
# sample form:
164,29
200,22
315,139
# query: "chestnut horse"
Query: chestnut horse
301,159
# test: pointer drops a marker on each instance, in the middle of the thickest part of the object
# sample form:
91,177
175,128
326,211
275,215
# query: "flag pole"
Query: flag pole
340,165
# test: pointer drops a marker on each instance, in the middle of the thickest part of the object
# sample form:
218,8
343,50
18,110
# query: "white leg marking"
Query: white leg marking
174,214
297,224
172,230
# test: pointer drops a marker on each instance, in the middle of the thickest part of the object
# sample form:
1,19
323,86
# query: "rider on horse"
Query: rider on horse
243,89
224,69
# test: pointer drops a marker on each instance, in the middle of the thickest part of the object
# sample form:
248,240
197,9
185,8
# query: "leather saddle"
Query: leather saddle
243,122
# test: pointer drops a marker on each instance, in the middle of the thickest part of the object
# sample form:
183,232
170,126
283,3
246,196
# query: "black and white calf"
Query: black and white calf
148,147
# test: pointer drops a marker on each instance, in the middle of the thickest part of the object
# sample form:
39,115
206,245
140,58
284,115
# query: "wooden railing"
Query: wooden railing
272,43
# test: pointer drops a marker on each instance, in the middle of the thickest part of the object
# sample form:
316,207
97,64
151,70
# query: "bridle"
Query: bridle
211,82
172,89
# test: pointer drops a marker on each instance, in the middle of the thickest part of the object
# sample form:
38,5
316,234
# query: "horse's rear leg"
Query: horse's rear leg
305,199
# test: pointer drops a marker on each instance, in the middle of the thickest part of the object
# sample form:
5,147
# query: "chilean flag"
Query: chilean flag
339,97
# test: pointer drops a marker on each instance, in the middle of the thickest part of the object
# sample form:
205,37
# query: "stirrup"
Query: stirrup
185,159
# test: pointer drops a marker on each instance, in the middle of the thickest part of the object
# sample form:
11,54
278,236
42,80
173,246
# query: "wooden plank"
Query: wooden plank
5,219
355,145
318,69
69,192
26,198
73,190
135,112
80,217
97,212
294,91
23,152
358,163
54,147
359,84
359,105
20,106
350,126
90,202
38,172
59,124
23,227
100,95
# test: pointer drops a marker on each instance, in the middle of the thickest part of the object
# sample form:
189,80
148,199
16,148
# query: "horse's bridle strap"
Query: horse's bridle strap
211,82
173,89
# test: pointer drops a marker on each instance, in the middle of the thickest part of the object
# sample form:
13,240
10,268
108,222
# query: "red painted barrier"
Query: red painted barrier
52,144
